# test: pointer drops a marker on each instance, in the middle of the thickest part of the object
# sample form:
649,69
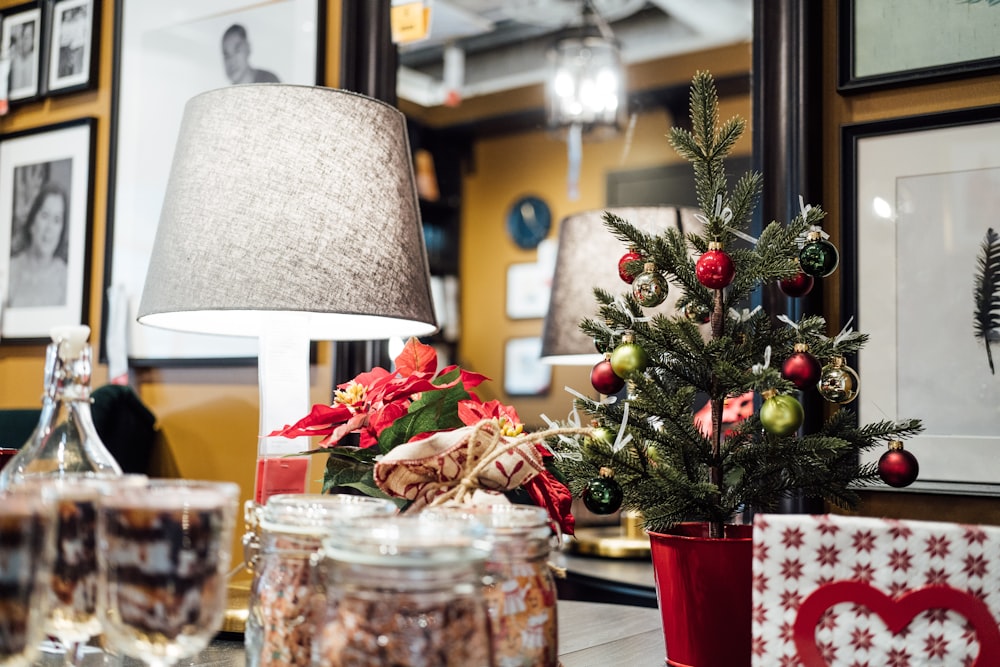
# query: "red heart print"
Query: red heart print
896,613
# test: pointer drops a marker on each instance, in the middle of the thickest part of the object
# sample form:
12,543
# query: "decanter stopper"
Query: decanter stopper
65,440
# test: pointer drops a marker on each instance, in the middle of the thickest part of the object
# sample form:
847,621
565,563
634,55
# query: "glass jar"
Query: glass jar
65,440
519,587
404,592
284,596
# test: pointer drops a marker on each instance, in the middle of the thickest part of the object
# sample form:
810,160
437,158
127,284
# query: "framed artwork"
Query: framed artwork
166,53
523,372
888,43
920,194
20,41
72,44
46,197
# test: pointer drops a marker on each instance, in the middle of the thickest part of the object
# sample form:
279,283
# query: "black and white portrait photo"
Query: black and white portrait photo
236,58
71,48
21,40
39,248
46,189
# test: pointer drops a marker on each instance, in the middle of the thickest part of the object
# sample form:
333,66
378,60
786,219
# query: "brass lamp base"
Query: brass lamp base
625,540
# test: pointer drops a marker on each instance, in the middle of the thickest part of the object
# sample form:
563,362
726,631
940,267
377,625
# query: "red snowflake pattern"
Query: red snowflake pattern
938,546
936,616
826,526
791,569
858,663
935,646
862,638
863,572
759,614
897,657
792,537
898,529
936,576
828,651
760,551
758,646
827,554
790,600
864,540
897,588
789,661
974,534
974,565
900,560
787,632
828,621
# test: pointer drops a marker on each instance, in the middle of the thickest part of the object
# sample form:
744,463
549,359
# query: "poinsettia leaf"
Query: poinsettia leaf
320,421
433,411
416,357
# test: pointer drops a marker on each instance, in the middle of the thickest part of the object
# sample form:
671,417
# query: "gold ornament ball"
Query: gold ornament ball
838,383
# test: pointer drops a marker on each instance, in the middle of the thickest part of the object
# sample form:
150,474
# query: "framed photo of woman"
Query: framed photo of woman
71,46
20,42
46,192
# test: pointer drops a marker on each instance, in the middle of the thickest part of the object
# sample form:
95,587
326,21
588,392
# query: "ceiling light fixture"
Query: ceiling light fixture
585,93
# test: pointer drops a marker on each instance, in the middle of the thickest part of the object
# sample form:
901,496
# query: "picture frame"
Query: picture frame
523,372
46,212
73,30
889,43
918,196
21,37
161,51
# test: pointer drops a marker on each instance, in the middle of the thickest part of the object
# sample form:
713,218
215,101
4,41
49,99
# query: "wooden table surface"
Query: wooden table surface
590,634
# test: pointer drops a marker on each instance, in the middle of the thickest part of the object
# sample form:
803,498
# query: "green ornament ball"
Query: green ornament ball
781,415
628,358
819,258
603,495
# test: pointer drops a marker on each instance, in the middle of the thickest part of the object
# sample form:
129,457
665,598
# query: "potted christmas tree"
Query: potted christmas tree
647,453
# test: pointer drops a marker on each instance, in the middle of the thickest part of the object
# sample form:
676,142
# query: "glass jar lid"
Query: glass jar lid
407,541
315,514
501,521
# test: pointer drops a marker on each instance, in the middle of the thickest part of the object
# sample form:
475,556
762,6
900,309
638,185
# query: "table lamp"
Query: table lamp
587,257
290,215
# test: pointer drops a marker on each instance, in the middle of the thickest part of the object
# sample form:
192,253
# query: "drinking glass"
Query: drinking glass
163,558
26,549
72,607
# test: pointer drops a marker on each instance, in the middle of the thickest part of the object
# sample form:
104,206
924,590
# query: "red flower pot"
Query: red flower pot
704,591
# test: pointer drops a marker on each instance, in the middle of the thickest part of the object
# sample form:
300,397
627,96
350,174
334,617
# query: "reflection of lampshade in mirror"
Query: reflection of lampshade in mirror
587,257
290,215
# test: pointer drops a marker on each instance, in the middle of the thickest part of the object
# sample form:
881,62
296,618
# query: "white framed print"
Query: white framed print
524,374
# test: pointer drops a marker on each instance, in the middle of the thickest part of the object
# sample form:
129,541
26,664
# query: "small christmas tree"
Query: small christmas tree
646,453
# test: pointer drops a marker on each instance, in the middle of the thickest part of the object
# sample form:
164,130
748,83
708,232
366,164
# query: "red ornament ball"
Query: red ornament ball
802,369
898,467
798,285
715,268
630,256
604,379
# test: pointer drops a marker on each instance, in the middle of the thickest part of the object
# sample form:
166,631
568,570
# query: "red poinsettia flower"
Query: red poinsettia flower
374,400
474,411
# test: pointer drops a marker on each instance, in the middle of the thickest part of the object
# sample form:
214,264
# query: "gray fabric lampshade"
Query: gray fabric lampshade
290,198
587,257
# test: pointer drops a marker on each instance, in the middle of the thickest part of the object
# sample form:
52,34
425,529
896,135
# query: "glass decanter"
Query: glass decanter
65,440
